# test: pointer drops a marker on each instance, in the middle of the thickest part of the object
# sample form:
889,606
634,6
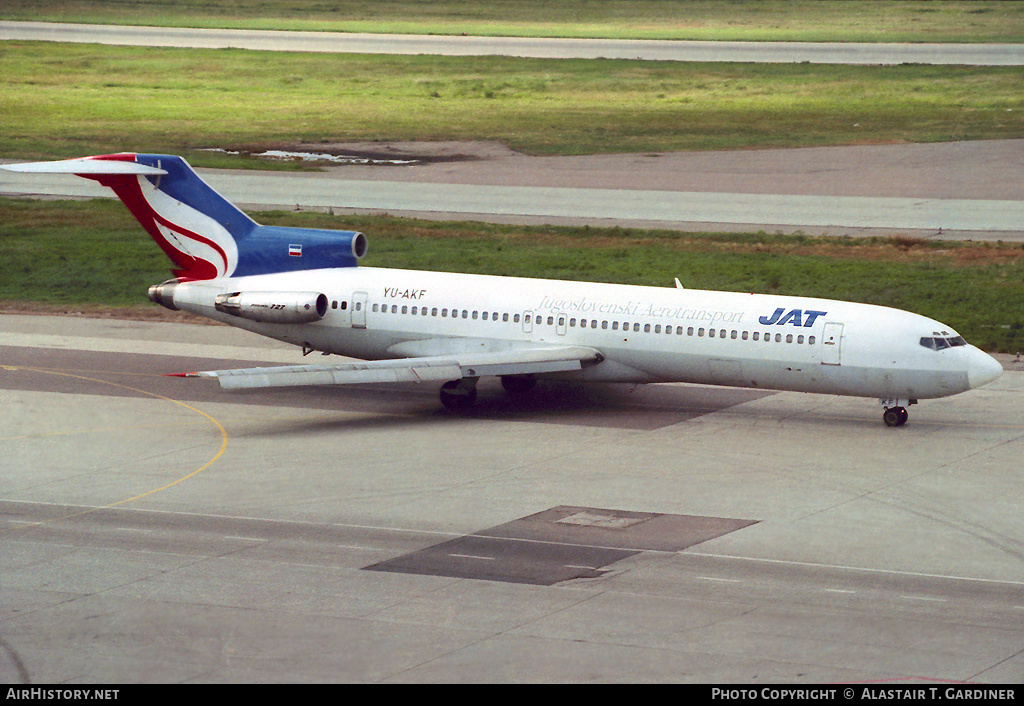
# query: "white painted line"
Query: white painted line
471,556
844,567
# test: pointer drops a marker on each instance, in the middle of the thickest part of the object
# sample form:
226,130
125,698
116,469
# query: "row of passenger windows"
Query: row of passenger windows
603,324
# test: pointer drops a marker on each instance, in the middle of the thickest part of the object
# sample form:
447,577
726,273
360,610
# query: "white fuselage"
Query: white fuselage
644,334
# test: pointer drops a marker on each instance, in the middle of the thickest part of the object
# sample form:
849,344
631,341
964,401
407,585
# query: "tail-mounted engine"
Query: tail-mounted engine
267,307
274,307
163,294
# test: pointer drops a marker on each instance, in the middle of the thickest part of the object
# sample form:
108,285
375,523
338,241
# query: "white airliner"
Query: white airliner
302,286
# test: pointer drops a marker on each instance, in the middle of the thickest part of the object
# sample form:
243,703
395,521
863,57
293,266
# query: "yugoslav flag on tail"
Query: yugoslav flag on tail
204,234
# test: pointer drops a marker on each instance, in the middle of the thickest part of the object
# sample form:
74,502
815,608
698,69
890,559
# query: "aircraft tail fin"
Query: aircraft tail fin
204,234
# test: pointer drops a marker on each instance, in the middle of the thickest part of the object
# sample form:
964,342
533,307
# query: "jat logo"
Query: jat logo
794,317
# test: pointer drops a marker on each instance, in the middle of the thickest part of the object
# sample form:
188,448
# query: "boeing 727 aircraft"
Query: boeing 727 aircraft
303,286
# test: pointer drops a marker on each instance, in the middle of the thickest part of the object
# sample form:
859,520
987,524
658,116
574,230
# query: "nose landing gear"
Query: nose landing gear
895,414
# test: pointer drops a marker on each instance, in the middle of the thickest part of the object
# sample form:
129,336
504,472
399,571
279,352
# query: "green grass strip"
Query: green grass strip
61,100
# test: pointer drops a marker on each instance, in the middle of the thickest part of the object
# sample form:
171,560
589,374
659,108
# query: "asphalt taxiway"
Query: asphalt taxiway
157,529
967,190
535,47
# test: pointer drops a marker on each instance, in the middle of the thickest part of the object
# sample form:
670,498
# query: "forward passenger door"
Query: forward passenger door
831,344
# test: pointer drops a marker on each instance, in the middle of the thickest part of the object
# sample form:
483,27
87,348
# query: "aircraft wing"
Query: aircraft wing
514,361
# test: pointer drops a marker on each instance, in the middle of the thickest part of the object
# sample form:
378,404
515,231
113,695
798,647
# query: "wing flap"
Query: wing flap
435,368
341,374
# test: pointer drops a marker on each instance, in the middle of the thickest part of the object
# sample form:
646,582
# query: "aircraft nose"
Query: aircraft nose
981,368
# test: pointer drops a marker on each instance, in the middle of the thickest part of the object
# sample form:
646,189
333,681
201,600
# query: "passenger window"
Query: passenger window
778,338
810,340
744,335
756,336
789,338
799,339
375,308
647,328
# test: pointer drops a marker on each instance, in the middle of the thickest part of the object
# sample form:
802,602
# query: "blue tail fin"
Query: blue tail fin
203,234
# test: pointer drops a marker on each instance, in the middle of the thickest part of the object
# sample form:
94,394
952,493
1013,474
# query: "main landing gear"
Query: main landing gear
895,414
459,395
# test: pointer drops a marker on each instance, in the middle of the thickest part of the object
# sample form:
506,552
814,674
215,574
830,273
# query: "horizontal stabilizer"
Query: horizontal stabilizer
86,165
434,368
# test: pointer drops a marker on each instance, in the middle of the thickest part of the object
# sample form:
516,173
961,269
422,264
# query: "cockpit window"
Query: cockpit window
938,343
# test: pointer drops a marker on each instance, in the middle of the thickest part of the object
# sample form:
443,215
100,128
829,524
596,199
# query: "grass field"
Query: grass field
749,20
95,254
60,100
